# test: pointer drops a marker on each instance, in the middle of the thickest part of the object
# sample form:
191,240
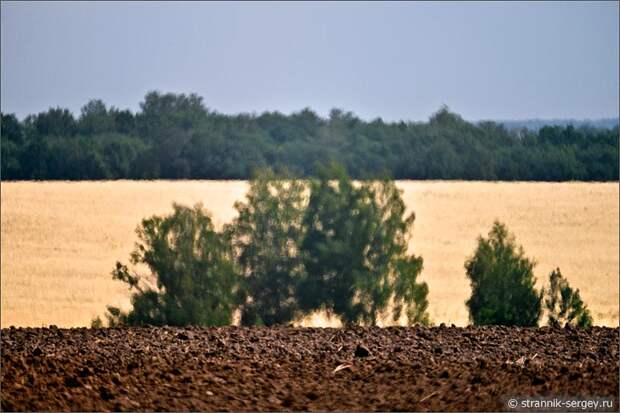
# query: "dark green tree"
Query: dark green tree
75,158
192,279
564,305
124,121
266,236
355,251
120,153
11,147
502,282
167,121
55,122
11,128
95,118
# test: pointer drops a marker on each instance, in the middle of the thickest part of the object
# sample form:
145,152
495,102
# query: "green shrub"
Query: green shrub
192,280
564,305
96,322
502,282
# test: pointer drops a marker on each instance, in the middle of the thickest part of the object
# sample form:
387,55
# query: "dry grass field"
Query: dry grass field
60,240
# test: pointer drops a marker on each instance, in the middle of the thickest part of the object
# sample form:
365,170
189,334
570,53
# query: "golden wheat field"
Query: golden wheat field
60,240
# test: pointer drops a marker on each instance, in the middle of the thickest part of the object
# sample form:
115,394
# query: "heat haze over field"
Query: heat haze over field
60,240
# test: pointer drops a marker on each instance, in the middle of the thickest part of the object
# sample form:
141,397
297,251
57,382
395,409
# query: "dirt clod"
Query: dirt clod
72,382
361,351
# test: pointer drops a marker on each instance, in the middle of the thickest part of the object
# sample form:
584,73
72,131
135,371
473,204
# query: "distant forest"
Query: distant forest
536,124
175,136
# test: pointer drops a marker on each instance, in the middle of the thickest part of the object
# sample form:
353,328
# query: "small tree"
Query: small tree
192,276
355,251
564,305
502,282
265,237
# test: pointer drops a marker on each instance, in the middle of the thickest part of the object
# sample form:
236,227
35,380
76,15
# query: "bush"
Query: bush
502,282
354,252
193,279
564,305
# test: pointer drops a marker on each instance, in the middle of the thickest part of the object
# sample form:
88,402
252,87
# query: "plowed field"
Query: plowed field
285,368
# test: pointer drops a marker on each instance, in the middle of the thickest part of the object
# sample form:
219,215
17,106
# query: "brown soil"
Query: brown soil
285,368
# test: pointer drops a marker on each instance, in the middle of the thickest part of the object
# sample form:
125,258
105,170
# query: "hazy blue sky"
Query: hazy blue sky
393,60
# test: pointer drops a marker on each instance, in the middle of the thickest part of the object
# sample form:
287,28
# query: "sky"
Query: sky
397,61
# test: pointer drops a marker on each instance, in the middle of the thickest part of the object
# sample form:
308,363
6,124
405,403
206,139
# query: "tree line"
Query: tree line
331,245
175,136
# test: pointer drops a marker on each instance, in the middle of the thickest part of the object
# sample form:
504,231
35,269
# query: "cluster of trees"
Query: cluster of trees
175,136
503,291
298,246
